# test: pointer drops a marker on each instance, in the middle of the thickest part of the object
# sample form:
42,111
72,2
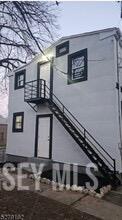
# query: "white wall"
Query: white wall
93,102
65,148
21,143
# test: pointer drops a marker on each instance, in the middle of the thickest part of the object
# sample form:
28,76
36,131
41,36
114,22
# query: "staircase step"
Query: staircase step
60,116
100,164
68,125
53,108
76,135
86,146
66,122
72,130
56,112
89,151
94,158
80,140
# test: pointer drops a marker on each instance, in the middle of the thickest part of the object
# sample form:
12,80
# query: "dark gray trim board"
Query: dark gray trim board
14,129
16,158
38,68
17,74
48,163
36,134
64,47
51,74
73,76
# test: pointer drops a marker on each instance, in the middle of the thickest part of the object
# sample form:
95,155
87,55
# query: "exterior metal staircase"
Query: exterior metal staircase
37,92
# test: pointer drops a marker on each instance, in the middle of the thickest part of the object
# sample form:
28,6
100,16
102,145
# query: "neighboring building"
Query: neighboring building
3,131
84,78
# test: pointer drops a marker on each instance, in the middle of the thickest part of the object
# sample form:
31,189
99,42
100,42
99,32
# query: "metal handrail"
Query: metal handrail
34,88
70,116
84,130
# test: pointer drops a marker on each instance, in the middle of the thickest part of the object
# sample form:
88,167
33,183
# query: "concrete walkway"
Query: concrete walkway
115,197
108,208
99,208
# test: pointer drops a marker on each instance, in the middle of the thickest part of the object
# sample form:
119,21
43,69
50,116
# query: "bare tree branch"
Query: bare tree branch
25,29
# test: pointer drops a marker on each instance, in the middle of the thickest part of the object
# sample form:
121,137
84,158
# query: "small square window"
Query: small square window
62,49
19,79
77,66
18,120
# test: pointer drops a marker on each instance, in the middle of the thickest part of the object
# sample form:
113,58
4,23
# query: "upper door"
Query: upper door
45,73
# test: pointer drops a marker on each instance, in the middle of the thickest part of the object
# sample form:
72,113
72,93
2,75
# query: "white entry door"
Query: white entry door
44,137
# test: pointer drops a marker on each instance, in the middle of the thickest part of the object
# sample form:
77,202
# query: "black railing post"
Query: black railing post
44,88
63,109
115,183
85,137
25,92
84,134
38,82
32,90
114,166
33,87
40,88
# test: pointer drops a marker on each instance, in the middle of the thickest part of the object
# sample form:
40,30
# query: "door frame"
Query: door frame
51,73
36,135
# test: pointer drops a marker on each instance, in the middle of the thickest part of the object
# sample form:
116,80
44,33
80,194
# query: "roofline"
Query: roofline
85,34
72,36
92,32
26,64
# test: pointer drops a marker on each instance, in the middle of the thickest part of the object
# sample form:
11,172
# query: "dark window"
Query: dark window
19,79
62,49
18,120
77,66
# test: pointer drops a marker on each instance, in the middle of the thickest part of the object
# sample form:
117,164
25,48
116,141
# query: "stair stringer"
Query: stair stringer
84,145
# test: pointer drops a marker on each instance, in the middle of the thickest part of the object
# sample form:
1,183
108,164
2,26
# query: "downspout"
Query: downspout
119,99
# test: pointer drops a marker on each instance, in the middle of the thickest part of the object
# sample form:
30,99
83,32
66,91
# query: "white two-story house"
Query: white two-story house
65,105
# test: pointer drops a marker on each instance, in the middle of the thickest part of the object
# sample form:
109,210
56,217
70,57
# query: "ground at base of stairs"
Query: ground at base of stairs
34,206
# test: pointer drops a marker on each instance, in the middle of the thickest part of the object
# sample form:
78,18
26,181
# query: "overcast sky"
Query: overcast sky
78,17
